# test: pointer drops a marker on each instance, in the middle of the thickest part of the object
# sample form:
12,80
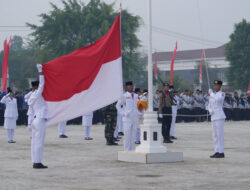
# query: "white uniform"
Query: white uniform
39,106
215,107
174,114
62,128
130,118
30,112
140,120
10,115
87,123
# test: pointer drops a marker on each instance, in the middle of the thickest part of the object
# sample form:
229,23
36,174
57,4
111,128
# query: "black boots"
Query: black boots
111,141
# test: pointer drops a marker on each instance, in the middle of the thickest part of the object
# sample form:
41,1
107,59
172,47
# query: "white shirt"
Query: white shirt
26,99
11,107
37,102
129,110
215,106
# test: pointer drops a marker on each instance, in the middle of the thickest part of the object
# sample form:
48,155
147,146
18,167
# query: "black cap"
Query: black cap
129,83
145,90
9,90
137,90
218,82
35,83
171,86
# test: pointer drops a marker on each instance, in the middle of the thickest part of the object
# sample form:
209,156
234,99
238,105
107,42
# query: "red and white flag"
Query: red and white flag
172,65
85,80
201,65
5,65
155,68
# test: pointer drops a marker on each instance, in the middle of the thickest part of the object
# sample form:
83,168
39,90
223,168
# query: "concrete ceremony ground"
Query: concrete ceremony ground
76,164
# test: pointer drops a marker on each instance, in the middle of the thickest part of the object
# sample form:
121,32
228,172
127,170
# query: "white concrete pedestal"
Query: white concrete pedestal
151,149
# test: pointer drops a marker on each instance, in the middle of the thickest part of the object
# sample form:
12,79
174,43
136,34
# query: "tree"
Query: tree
76,25
238,54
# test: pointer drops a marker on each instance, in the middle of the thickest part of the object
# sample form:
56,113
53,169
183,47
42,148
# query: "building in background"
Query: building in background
187,63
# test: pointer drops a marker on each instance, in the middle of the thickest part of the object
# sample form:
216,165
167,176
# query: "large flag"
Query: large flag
172,65
155,67
201,65
5,65
85,80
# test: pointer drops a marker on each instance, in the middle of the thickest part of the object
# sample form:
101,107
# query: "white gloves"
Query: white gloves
39,68
7,95
210,91
160,116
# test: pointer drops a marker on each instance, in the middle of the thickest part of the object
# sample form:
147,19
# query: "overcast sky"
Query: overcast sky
185,21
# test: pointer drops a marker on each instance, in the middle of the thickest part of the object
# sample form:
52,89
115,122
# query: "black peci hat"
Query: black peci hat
129,83
35,83
218,82
9,90
137,90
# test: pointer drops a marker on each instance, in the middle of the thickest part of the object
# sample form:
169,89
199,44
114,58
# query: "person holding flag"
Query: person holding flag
39,106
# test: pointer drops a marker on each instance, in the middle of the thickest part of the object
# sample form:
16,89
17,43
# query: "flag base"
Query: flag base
151,149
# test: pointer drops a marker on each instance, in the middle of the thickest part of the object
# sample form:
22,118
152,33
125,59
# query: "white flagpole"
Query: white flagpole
150,70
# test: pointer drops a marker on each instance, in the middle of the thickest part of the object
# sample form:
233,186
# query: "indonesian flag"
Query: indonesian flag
248,91
155,68
202,59
85,80
172,65
5,64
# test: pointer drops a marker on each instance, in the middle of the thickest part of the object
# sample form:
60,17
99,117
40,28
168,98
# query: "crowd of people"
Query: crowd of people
193,106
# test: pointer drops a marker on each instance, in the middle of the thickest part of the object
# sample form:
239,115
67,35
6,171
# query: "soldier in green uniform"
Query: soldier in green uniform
110,115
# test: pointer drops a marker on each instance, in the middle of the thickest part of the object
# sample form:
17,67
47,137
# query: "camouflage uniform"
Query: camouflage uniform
110,115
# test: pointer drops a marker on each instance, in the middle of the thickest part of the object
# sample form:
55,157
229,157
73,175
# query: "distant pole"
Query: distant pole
150,68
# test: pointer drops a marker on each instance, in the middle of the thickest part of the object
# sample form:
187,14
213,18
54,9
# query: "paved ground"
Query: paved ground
78,164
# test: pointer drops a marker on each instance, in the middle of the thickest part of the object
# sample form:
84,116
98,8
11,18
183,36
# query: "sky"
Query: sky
194,24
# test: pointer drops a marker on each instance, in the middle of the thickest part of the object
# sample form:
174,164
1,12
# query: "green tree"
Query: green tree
238,54
77,24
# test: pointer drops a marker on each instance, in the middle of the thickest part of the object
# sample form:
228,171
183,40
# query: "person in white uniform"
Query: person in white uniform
129,115
62,129
41,114
10,115
87,123
215,107
174,112
30,112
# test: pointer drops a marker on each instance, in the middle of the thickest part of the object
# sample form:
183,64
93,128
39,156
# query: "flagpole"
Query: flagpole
150,71
151,149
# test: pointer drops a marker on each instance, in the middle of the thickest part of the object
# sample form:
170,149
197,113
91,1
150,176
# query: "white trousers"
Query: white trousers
87,131
10,134
129,135
173,125
37,142
30,119
218,135
116,131
119,123
138,134
62,128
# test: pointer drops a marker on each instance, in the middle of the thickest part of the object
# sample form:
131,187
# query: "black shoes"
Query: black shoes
121,134
63,136
167,141
173,138
39,166
218,155
11,141
88,138
137,142
110,142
